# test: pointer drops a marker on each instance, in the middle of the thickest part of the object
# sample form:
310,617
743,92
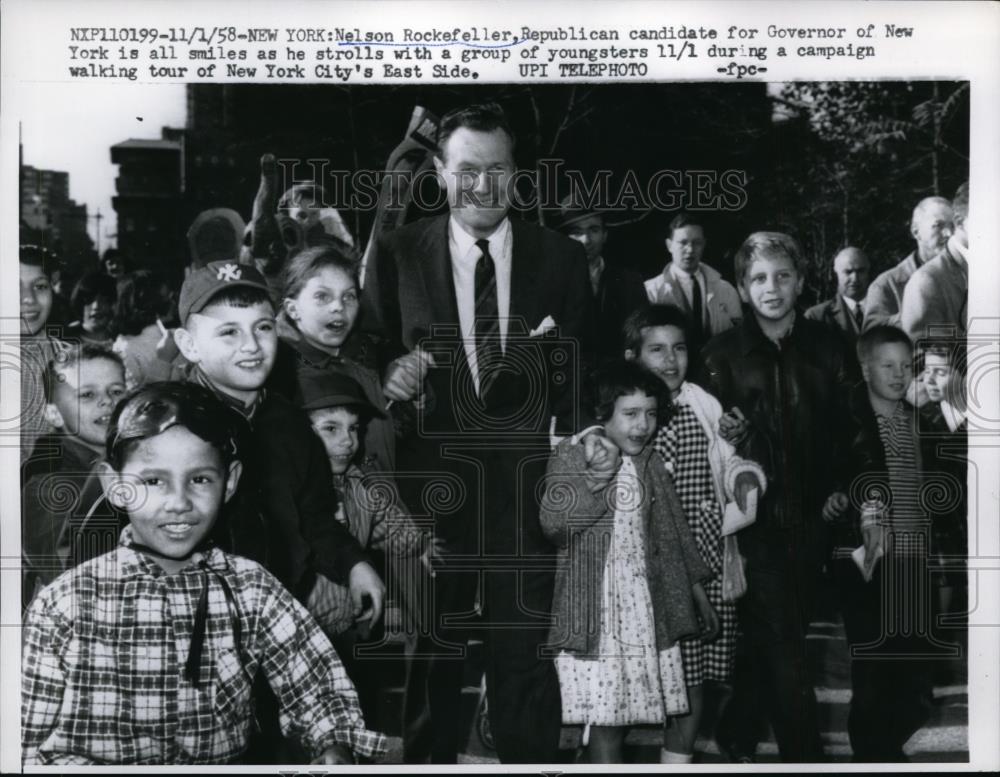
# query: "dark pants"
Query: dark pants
887,621
522,687
773,678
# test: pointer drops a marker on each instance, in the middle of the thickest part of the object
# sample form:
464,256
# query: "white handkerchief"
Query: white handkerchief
735,519
543,327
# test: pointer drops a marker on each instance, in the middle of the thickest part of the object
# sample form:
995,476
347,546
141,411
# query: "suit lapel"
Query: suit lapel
842,316
525,256
435,264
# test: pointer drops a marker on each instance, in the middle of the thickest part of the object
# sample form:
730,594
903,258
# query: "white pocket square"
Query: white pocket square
543,327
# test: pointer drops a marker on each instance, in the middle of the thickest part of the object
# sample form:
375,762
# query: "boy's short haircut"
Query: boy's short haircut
484,117
156,407
960,202
38,256
648,317
222,282
71,355
877,336
684,219
619,378
759,243
304,264
90,287
239,297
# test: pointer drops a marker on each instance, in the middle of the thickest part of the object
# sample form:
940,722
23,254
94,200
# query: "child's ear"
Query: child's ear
743,293
865,372
117,490
291,309
233,478
185,342
799,284
629,355
54,417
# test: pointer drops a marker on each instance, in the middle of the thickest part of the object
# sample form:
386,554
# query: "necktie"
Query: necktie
859,317
487,320
697,316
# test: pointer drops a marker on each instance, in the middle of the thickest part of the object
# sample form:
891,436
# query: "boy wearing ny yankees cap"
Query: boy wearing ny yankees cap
228,335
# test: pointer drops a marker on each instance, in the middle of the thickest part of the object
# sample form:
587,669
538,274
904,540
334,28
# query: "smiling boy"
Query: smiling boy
228,334
890,678
783,377
82,386
147,654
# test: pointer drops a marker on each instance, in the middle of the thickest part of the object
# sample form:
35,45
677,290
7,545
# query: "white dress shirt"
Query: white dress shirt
687,282
464,257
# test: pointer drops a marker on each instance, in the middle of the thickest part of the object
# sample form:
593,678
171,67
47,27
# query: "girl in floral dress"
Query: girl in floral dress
628,582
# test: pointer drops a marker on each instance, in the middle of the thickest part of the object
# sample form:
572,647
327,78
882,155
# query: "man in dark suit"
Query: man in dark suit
845,311
617,290
481,318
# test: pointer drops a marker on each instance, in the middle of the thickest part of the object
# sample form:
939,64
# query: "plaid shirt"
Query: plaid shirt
104,650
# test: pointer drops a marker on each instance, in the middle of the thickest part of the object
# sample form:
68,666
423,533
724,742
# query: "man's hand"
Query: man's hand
836,505
365,582
603,460
745,483
405,377
710,626
335,754
733,426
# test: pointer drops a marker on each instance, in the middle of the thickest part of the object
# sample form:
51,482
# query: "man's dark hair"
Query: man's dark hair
482,117
877,336
960,202
619,378
684,219
649,316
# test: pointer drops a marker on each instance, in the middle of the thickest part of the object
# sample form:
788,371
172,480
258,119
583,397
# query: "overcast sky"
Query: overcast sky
73,128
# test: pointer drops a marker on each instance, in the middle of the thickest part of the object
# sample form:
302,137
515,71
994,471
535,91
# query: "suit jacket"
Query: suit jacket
471,463
884,298
834,313
937,297
721,299
619,292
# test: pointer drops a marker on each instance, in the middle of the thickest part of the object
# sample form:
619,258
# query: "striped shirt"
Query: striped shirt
103,665
906,516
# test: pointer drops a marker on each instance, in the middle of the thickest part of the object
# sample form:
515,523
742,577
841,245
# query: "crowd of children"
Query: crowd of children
209,521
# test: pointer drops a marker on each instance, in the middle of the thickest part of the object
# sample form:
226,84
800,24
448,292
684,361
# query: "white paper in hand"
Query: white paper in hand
735,519
858,554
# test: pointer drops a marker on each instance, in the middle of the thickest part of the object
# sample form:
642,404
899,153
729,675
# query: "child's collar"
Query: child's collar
247,411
